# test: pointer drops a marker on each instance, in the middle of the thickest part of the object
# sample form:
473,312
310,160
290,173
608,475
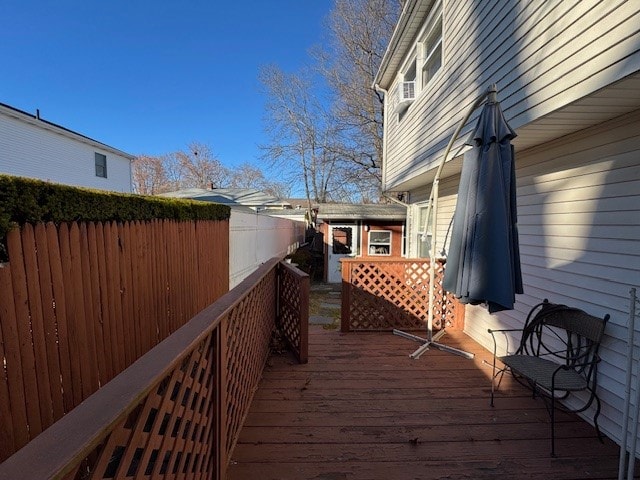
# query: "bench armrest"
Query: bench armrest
493,331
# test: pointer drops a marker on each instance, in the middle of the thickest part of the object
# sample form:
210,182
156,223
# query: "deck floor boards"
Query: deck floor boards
361,409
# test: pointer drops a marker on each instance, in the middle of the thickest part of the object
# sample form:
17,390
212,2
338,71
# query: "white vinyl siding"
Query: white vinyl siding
29,150
579,228
542,54
255,238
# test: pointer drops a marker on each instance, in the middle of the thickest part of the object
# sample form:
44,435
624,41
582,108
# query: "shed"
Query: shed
359,230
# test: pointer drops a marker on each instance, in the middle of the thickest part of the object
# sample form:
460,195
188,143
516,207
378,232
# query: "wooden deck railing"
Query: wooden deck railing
80,302
177,411
380,295
293,310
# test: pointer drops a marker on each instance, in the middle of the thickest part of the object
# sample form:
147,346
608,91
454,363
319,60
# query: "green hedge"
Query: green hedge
24,200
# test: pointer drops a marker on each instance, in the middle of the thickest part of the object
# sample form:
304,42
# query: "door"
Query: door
343,243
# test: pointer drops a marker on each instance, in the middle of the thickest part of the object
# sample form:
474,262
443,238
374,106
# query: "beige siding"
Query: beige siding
446,208
542,54
579,224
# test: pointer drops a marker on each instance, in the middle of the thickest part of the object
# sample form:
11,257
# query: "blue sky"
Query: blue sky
149,77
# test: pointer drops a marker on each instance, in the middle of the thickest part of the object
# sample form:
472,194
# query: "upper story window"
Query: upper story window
406,88
410,73
101,165
432,49
422,65
380,242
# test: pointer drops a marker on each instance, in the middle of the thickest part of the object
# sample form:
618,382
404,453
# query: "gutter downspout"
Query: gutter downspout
378,88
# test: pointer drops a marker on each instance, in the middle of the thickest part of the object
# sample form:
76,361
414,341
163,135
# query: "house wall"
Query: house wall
579,228
255,238
579,195
29,150
542,55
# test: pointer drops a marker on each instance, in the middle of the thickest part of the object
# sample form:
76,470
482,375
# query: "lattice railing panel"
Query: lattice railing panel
388,294
178,410
248,333
293,309
171,432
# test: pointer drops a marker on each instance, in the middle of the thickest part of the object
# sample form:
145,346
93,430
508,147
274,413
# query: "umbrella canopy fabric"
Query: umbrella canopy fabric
483,264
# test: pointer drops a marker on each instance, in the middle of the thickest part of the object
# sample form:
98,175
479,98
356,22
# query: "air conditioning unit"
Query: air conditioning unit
406,94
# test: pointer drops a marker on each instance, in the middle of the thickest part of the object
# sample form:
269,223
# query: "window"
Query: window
431,45
101,165
342,240
421,65
410,73
432,53
423,241
405,91
380,242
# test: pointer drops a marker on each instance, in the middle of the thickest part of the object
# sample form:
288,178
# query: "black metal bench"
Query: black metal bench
557,355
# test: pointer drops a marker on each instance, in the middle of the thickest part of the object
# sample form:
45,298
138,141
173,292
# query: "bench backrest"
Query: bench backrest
564,334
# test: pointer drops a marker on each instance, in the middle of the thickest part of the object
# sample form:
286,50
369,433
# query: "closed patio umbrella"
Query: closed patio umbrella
483,263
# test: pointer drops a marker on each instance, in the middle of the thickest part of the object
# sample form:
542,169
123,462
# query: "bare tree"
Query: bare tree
149,175
300,129
200,168
334,142
359,31
250,176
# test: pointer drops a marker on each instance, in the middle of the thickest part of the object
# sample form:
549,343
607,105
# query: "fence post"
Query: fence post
346,292
303,315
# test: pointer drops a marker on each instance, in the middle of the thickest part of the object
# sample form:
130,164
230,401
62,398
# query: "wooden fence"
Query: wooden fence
79,303
177,411
381,294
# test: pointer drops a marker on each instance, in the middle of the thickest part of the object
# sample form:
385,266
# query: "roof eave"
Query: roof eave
47,125
404,30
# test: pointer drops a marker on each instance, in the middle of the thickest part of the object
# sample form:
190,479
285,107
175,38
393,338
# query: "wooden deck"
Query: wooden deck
361,409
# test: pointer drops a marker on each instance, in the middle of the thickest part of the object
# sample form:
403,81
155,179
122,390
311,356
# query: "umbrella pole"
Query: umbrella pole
432,212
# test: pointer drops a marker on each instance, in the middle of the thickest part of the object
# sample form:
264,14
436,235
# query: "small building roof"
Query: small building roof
368,211
248,197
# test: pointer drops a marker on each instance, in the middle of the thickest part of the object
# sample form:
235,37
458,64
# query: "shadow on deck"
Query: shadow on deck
361,409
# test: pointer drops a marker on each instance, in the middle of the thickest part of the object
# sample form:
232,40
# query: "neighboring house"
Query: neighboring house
254,236
568,78
36,148
351,230
246,197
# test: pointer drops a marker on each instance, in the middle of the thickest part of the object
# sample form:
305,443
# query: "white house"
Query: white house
36,148
568,78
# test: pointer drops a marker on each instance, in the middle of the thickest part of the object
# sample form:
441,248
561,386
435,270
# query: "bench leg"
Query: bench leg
553,424
595,420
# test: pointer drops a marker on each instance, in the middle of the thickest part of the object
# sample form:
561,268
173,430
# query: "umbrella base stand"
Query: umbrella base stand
426,344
